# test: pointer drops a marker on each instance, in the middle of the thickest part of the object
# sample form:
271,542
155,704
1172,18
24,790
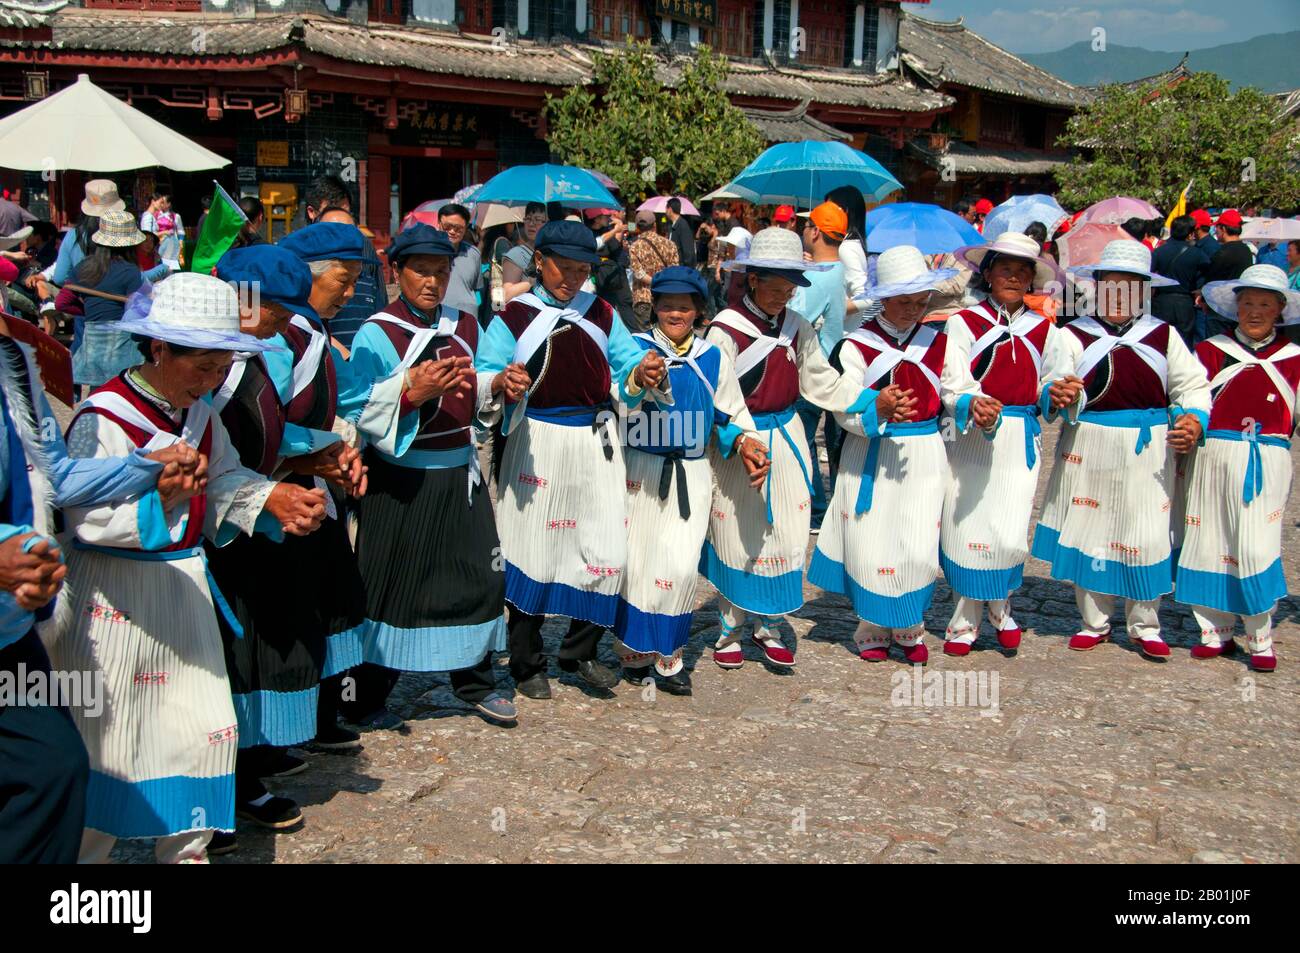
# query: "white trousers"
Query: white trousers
872,636
665,665
1139,615
1218,627
964,625
187,846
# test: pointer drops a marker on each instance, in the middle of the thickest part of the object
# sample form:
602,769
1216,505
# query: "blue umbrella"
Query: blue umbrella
931,229
801,173
570,186
1020,211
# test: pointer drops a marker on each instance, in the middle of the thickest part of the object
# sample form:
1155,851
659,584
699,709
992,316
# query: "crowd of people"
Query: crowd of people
267,509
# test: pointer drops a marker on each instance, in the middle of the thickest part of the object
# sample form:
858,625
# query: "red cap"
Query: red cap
1202,218
1230,217
8,270
783,213
983,207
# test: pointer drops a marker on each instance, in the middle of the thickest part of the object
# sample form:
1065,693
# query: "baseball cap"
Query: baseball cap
1230,217
983,207
783,213
831,220
1202,218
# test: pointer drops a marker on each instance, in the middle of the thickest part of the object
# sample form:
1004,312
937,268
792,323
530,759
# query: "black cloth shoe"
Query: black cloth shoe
636,676
591,672
275,814
336,738
535,686
223,842
679,684
278,763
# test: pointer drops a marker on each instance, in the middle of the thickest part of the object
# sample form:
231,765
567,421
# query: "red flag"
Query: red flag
52,358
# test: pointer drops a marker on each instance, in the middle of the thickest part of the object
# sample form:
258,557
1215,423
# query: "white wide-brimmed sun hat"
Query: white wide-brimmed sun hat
1222,295
1127,256
1013,245
902,270
101,197
778,250
192,310
741,238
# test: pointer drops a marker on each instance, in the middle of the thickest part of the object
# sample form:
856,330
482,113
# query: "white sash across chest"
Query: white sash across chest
1245,359
1020,329
304,372
764,344
698,347
548,316
891,356
1133,339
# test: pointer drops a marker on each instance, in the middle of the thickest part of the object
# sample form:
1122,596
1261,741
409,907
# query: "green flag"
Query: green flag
220,229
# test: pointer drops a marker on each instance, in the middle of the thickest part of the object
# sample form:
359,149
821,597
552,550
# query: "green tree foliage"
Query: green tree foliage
1149,142
646,136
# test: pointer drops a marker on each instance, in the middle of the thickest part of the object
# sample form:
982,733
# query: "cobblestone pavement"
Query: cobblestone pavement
1105,756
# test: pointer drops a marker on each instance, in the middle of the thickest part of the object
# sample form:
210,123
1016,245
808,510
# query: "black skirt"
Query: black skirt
431,567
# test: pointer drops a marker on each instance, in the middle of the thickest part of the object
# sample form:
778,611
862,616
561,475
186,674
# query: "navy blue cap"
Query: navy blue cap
420,239
278,274
571,240
679,279
323,241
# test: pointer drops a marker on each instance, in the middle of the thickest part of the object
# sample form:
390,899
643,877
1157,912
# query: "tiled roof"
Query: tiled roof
969,160
792,125
941,52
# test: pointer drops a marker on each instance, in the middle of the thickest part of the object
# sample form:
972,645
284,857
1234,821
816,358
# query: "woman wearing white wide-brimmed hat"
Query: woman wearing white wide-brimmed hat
1106,521
1002,361
1237,484
879,543
755,551
140,605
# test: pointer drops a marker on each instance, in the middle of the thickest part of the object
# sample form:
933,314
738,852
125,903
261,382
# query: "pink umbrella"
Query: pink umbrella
1118,210
425,212
603,179
1082,244
659,204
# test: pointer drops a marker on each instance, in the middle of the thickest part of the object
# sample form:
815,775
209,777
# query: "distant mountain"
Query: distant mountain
1267,62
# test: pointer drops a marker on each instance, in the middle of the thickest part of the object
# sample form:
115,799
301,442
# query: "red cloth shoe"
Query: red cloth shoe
1086,643
1212,651
730,657
775,653
1153,648
954,647
916,654
1263,663
1009,639
874,655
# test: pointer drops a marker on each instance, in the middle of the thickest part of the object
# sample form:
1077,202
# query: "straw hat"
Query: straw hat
1222,295
902,271
101,197
1127,256
780,250
1013,245
117,230
190,309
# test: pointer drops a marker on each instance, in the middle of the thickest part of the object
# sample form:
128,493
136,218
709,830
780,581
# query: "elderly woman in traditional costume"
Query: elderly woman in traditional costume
563,494
139,605
670,480
1002,361
1237,484
1105,525
879,543
44,769
757,540
426,538
328,396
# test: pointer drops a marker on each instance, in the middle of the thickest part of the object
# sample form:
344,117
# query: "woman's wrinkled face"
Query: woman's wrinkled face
676,314
334,287
270,319
1120,295
1010,280
771,292
562,277
423,280
184,379
903,311
1258,312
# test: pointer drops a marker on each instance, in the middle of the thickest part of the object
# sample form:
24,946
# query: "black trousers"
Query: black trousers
374,683
43,771
525,641
1179,309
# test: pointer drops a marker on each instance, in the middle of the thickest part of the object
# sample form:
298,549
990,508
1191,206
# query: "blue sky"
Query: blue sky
1037,26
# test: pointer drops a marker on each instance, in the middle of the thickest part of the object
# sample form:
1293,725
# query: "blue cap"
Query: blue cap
679,279
278,274
420,239
323,241
571,240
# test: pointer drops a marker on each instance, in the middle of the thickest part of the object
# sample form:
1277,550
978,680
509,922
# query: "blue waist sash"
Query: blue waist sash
775,423
867,489
1143,420
172,555
574,417
431,459
1028,413
1253,485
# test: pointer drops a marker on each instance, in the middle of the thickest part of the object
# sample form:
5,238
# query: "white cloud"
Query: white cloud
1038,30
